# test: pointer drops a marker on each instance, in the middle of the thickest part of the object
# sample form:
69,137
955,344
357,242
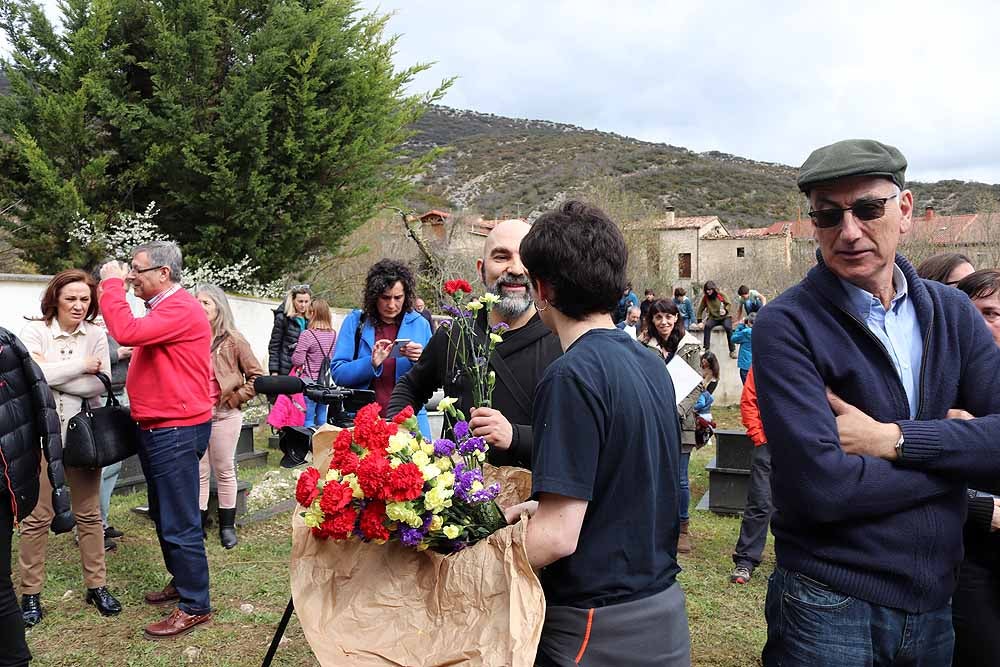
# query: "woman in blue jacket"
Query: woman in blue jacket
367,356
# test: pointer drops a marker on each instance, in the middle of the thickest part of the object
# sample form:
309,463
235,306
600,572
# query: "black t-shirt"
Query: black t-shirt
606,431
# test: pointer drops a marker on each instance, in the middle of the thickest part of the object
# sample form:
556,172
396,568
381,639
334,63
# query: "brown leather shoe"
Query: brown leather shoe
175,625
168,595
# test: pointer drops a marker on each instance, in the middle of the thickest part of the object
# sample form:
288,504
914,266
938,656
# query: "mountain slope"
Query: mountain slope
499,166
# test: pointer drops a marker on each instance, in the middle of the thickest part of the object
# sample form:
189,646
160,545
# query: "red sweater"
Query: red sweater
168,376
750,412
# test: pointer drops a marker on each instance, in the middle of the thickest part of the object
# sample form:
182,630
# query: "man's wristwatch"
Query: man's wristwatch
899,446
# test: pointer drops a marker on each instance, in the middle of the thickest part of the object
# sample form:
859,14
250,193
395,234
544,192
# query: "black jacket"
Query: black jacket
527,351
29,423
284,336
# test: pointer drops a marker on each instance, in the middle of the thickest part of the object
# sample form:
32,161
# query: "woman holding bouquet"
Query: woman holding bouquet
378,344
603,445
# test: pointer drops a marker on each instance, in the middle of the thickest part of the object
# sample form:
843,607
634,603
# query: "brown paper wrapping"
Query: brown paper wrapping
368,604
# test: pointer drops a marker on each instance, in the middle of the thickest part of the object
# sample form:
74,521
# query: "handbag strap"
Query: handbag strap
112,399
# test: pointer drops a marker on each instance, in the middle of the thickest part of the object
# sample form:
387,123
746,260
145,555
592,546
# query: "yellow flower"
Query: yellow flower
314,515
394,462
446,403
352,481
429,472
436,499
445,480
480,456
427,448
452,531
444,462
490,298
476,486
437,521
422,546
333,475
496,338
404,513
420,458
398,442
475,305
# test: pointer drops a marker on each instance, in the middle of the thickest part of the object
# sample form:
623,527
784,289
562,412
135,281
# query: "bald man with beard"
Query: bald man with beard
527,349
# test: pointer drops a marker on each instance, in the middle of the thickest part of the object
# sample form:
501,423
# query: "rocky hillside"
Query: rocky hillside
498,166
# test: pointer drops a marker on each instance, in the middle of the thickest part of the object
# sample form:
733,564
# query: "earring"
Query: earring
540,309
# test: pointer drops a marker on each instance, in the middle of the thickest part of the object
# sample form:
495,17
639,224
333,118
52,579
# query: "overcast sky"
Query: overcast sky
765,80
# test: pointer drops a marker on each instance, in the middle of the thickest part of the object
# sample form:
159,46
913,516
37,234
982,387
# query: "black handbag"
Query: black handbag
98,437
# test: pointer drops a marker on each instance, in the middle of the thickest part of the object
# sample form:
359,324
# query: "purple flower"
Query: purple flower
486,493
472,445
411,537
500,327
444,324
452,310
464,479
443,447
461,430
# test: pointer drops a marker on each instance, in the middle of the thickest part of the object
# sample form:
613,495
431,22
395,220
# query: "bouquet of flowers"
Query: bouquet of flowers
473,353
386,482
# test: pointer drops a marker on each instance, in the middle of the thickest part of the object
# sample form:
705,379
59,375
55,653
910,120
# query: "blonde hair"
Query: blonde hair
223,323
319,315
290,299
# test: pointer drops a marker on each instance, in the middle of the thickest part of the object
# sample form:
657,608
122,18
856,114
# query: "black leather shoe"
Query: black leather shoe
31,609
113,533
110,544
227,528
104,601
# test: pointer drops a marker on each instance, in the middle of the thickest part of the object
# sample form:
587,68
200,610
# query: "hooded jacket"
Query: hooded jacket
29,428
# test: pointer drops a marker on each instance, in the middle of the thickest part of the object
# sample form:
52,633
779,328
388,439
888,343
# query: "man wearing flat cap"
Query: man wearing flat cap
859,364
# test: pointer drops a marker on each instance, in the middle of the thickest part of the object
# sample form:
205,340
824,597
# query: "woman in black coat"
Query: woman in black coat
28,416
290,319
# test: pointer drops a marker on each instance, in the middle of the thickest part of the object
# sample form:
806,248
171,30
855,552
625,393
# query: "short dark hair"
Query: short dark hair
649,329
981,284
940,266
650,292
743,289
679,292
381,276
580,253
50,299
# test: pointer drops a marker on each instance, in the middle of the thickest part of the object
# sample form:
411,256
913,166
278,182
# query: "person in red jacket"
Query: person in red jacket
168,388
757,512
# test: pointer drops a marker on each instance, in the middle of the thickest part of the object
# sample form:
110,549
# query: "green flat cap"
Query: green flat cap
852,157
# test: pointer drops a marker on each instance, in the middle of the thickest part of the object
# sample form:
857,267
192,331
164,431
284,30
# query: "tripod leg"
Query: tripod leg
279,633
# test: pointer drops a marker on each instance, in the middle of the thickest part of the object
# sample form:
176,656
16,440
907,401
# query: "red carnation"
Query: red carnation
345,461
338,527
336,496
452,286
405,483
403,415
373,521
343,441
373,473
365,421
305,490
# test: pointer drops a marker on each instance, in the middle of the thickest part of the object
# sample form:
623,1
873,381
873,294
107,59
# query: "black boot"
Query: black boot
31,609
204,524
104,601
227,527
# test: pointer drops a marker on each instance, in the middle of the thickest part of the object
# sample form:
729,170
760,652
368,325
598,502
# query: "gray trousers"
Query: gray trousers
757,512
641,633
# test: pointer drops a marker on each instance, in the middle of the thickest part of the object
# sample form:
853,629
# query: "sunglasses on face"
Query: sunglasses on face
865,210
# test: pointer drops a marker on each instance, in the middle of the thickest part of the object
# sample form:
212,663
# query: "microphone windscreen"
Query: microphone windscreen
278,384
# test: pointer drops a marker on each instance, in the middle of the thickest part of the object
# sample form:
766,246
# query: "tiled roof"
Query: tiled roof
751,233
949,229
692,222
801,229
433,212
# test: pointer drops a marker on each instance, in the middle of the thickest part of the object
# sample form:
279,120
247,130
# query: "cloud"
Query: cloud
770,81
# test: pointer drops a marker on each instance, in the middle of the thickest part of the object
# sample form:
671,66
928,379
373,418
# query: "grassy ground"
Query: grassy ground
727,628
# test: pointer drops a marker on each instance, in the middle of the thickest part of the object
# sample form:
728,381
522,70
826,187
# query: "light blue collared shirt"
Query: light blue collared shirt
898,329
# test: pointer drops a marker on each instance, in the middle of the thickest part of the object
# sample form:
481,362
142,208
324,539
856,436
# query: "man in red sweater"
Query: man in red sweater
168,388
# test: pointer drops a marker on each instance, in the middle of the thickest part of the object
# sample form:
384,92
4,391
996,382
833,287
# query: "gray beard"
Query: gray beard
510,306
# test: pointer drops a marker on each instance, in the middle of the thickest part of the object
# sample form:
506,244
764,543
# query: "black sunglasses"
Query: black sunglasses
152,268
863,209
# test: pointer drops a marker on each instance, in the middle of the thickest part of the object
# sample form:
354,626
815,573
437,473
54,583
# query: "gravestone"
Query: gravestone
728,473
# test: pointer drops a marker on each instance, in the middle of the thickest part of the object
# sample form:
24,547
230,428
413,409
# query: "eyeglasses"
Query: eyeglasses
151,268
864,209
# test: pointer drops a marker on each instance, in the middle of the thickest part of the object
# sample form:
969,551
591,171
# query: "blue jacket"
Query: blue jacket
353,368
887,533
686,309
742,335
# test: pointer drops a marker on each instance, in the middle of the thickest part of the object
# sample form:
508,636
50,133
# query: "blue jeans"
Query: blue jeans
109,477
811,625
169,458
685,497
315,413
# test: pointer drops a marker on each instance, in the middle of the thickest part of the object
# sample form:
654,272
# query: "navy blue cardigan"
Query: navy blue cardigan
887,533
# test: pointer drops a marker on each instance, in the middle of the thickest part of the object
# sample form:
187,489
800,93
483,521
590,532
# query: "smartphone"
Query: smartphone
397,347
